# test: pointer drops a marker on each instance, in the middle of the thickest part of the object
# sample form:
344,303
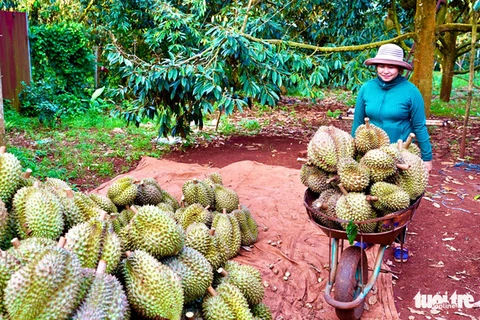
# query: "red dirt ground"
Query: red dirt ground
443,237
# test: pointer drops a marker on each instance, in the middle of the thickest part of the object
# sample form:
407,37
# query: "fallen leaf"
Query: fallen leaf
414,311
435,311
449,247
454,278
470,177
439,264
465,315
476,304
457,182
372,299
448,239
436,205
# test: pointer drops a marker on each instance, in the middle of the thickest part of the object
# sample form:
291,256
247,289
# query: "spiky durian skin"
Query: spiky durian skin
248,226
123,191
314,178
247,279
195,191
7,227
153,289
46,288
42,215
413,180
227,229
29,248
169,199
88,208
194,271
353,175
8,265
217,254
197,236
156,232
261,312
380,164
391,197
72,214
10,174
328,197
106,300
104,202
370,138
225,198
354,207
194,213
149,192
231,299
85,240
111,249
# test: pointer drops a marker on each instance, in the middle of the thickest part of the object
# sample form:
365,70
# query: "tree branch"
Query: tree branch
246,16
454,27
85,12
361,47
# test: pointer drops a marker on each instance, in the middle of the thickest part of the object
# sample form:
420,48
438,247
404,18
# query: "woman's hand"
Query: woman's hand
428,165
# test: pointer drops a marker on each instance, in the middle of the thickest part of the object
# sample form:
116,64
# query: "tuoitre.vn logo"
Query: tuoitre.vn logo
443,301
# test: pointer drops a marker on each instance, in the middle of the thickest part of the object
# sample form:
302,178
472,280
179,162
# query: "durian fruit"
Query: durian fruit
94,240
149,192
123,191
26,179
314,178
413,180
153,289
225,198
104,202
326,203
27,249
195,191
246,278
194,271
261,312
411,147
10,175
369,136
121,219
156,232
204,240
167,208
193,213
389,197
38,213
56,183
380,164
353,175
248,226
106,299
227,229
328,145
71,212
8,265
169,199
46,288
213,178
88,208
355,207
226,303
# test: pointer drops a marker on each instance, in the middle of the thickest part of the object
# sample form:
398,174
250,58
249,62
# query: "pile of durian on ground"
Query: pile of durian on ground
361,178
135,253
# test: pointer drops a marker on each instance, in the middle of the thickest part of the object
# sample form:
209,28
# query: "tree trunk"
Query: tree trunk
3,139
450,56
424,56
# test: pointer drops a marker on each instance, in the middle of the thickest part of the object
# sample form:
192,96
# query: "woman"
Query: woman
393,104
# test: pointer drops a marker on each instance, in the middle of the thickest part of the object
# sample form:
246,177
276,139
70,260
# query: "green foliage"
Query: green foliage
352,231
334,114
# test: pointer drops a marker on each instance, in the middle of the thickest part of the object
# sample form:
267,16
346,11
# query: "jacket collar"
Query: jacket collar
388,85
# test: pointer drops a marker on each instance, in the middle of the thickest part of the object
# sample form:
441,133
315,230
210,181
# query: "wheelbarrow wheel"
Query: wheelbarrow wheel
349,281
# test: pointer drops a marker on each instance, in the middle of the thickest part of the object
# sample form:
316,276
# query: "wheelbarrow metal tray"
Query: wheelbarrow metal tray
395,222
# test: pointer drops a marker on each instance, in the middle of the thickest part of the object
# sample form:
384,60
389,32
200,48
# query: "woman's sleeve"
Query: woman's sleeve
419,125
359,115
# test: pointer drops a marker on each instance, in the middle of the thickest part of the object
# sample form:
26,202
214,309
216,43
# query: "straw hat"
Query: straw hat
389,54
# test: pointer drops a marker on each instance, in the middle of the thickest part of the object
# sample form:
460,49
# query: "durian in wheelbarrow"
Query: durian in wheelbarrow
354,206
369,136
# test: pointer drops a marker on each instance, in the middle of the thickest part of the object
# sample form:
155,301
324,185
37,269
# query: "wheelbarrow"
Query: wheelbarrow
349,275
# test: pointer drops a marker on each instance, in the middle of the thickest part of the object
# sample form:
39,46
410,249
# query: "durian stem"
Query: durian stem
403,166
212,291
15,242
61,242
189,315
322,206
36,184
224,211
334,178
212,231
410,138
133,208
400,144
102,267
207,207
69,192
367,122
103,215
27,173
128,253
342,188
222,272
3,149
371,198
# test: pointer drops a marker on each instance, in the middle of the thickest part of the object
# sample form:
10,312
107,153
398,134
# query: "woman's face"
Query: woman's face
387,72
